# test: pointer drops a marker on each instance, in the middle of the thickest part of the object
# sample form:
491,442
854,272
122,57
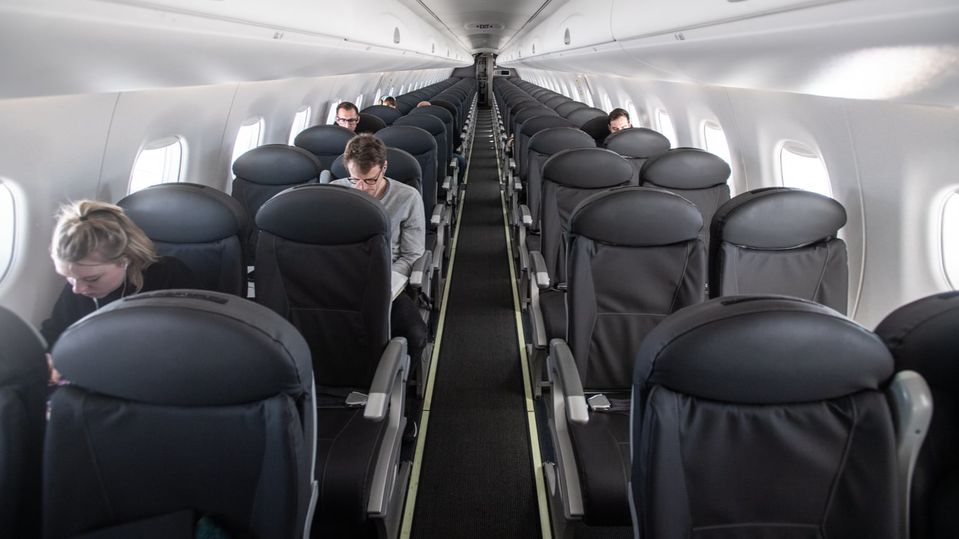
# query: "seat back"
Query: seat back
542,146
567,108
569,177
762,417
695,174
580,116
23,395
598,128
323,263
369,123
529,128
205,228
421,145
324,141
387,114
448,122
149,428
922,337
779,241
434,126
637,144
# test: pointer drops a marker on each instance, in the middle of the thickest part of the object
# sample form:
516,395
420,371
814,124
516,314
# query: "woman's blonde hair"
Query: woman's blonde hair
90,228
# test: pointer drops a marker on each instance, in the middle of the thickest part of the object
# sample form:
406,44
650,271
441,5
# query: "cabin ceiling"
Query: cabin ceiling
485,26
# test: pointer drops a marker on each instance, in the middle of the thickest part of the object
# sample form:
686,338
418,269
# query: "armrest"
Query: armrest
439,211
517,183
512,164
526,217
577,410
447,182
421,267
911,403
392,363
326,176
538,269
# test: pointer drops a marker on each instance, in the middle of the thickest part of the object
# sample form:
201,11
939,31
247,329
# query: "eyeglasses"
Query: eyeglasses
368,181
348,120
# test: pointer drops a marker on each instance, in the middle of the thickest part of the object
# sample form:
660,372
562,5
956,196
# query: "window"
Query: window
664,124
379,94
714,142
247,138
158,162
803,168
331,116
607,103
301,120
633,115
950,238
359,102
8,226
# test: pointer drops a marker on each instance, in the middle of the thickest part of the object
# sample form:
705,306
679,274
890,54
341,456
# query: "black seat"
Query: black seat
421,145
203,227
637,144
635,257
324,141
369,123
323,262
182,405
597,127
579,117
567,108
434,126
779,241
23,394
542,146
762,416
923,337
387,114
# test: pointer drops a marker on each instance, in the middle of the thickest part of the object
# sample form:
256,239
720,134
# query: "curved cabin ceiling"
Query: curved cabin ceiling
485,26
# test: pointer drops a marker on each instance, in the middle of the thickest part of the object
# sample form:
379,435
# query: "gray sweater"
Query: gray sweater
404,205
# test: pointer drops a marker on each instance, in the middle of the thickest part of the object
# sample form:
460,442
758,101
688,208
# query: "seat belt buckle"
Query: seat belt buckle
598,403
355,400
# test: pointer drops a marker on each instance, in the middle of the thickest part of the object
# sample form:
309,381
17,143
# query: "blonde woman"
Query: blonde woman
104,256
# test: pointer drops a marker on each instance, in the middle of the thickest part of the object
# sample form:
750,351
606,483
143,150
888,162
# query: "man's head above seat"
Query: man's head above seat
347,115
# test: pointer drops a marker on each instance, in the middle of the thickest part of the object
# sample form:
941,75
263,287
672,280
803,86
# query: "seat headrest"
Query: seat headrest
323,214
762,350
324,139
185,348
403,167
534,112
541,123
556,139
414,140
567,108
685,168
587,168
22,356
277,164
439,112
636,217
923,337
369,123
598,128
185,213
579,117
387,114
428,122
637,142
778,218
446,103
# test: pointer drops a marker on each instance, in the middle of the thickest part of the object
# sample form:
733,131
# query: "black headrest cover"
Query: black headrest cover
588,168
277,164
636,217
387,114
778,218
580,116
185,348
637,142
428,122
184,213
565,109
414,140
22,359
403,167
323,214
369,123
324,139
540,123
685,168
762,350
597,127
534,112
556,139
439,112
924,336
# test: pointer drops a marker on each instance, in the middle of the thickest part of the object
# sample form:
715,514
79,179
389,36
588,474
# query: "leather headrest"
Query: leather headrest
185,213
324,139
540,123
923,336
185,348
556,139
387,114
685,168
369,123
587,168
762,350
636,217
323,214
597,127
22,359
777,218
534,112
428,122
439,112
414,140
277,164
579,117
637,142
567,108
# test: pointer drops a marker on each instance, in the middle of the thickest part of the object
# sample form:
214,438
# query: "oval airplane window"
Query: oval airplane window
664,124
950,239
802,168
714,142
247,138
331,116
633,115
379,94
359,102
607,103
8,227
158,162
301,120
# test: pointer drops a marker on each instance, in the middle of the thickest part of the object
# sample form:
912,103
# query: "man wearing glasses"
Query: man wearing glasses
347,115
365,159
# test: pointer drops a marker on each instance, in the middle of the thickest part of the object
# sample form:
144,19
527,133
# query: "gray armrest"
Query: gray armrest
577,411
512,164
437,216
517,183
326,176
447,182
526,217
392,363
911,403
421,269
539,272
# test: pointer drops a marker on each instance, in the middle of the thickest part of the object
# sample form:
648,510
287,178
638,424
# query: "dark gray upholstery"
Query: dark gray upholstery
542,146
567,108
437,128
369,123
695,174
420,144
579,117
923,336
598,128
448,121
387,114
762,416
205,228
637,144
150,423
324,141
23,394
779,241
556,101
531,127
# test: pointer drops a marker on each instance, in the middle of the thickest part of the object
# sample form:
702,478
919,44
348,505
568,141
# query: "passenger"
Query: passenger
618,120
365,159
389,102
347,115
423,104
103,256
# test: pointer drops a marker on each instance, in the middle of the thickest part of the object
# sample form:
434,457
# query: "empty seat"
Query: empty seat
579,117
435,127
182,405
637,144
779,241
762,417
23,395
387,114
923,336
634,258
324,141
205,228
597,127
542,146
567,108
369,123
